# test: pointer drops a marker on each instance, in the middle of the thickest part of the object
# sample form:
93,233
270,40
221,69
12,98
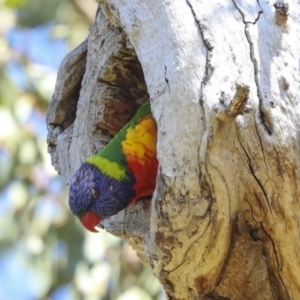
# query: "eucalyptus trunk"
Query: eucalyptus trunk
223,82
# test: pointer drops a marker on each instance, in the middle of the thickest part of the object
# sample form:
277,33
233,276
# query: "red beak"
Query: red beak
90,220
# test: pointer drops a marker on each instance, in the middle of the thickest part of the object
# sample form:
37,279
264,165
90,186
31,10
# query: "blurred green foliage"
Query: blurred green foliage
44,251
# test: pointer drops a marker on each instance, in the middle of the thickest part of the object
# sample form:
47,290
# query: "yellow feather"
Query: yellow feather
107,167
140,141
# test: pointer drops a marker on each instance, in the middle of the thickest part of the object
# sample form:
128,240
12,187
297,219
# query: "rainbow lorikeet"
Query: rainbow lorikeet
119,174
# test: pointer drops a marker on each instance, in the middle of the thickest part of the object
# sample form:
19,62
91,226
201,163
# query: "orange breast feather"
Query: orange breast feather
139,148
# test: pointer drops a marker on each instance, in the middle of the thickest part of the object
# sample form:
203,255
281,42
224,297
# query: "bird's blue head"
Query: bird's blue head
94,196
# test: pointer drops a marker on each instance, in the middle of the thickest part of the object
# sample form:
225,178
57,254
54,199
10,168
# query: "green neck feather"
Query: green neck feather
111,159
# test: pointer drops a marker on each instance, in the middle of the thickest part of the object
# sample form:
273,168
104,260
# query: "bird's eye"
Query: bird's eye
95,193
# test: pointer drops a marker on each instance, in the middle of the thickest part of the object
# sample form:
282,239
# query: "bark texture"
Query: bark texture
223,81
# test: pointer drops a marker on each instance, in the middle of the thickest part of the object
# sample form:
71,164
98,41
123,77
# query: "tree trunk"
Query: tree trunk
222,78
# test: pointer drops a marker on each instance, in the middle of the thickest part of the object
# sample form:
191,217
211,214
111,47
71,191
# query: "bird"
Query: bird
120,174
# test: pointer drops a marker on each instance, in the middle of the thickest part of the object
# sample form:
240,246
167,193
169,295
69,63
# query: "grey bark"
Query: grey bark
223,82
